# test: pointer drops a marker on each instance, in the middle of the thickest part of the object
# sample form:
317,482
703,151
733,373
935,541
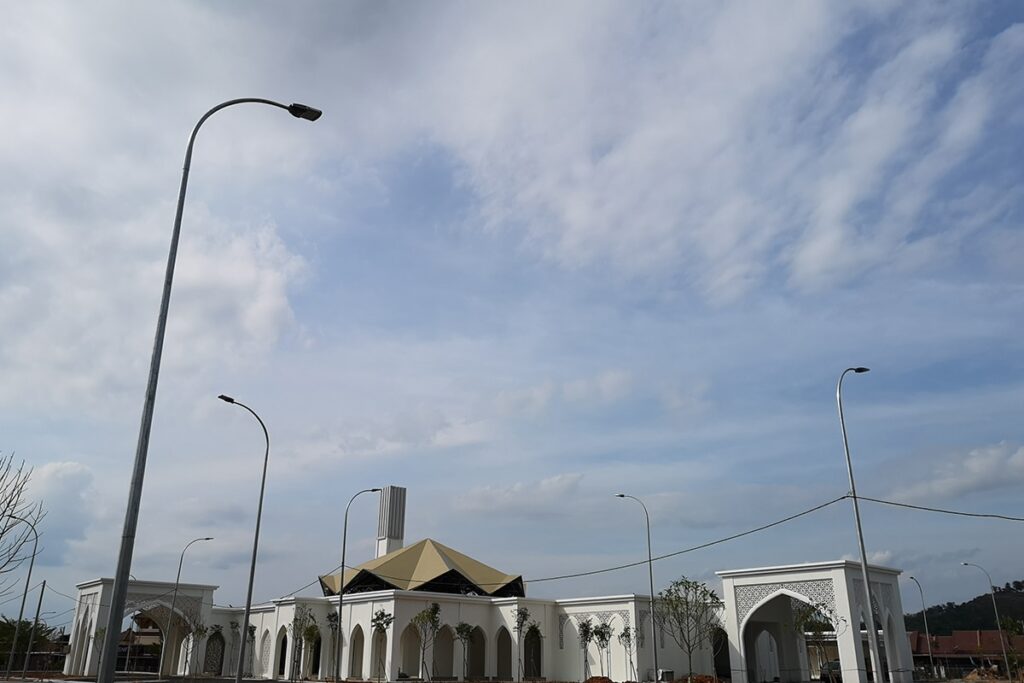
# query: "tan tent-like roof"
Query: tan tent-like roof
429,566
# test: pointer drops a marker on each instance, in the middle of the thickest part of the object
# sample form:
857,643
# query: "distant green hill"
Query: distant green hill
974,614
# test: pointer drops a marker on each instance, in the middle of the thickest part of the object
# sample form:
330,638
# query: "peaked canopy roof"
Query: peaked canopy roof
426,566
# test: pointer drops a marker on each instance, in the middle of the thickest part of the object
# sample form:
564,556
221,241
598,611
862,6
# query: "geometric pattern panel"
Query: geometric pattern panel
815,590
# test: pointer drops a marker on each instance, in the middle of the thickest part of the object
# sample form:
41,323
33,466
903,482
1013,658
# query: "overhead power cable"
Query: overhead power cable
959,513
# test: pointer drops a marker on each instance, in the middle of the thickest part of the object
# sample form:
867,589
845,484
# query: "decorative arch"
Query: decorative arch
263,662
355,653
503,643
281,661
475,666
443,660
532,655
411,652
770,646
213,662
378,655
779,591
316,656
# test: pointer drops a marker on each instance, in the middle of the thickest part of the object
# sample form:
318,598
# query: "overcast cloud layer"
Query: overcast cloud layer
531,255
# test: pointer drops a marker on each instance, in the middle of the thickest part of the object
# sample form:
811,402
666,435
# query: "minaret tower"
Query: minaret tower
391,520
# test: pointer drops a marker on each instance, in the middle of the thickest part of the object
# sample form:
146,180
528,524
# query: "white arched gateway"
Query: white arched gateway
152,598
764,643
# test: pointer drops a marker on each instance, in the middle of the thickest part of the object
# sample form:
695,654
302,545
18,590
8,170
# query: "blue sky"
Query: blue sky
530,256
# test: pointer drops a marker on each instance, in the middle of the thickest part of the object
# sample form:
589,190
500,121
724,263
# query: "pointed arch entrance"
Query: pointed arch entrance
443,664
411,653
532,653
477,654
504,650
213,663
355,646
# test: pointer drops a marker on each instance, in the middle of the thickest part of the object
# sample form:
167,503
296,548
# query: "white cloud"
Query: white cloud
987,468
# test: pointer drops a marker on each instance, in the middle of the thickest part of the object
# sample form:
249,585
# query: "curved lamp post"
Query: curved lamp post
999,626
876,661
174,600
131,517
650,574
256,538
21,612
341,585
927,633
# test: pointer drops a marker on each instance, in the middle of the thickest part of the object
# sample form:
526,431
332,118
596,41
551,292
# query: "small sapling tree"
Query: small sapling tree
464,634
689,611
381,622
586,633
427,623
603,636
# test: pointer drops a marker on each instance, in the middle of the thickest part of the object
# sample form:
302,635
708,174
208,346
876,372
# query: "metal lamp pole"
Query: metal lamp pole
131,517
174,600
650,574
256,537
32,631
999,626
338,642
927,634
876,661
28,579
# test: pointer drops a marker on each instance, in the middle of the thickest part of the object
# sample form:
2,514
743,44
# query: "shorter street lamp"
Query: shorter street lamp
927,634
338,642
28,579
999,626
259,515
174,599
650,574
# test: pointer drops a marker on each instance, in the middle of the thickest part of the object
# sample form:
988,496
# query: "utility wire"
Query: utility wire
924,508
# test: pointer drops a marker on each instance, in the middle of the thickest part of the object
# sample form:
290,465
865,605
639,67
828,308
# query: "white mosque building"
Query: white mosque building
292,638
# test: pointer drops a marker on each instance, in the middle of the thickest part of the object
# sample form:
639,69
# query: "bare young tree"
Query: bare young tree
690,612
464,634
630,635
428,623
17,516
381,622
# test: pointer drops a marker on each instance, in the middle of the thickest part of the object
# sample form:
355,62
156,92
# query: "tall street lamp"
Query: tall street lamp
131,517
927,633
650,575
876,661
995,608
256,537
28,579
341,585
174,600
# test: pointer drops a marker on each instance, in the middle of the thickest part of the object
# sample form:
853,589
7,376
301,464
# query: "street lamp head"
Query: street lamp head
861,370
966,564
208,538
620,495
301,111
375,490
226,399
